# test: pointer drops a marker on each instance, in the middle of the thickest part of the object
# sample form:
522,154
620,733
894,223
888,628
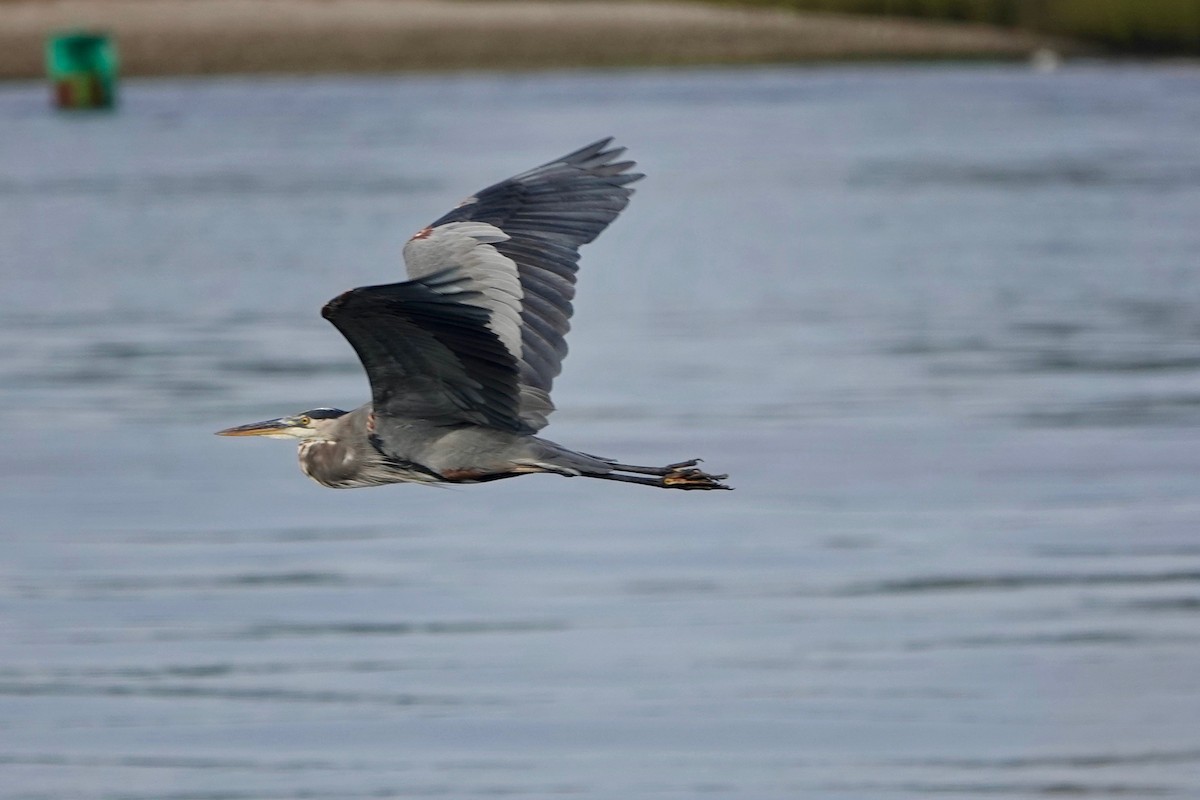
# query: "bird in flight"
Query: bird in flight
461,357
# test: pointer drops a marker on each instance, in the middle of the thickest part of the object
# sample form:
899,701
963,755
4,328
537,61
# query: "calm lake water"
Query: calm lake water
940,324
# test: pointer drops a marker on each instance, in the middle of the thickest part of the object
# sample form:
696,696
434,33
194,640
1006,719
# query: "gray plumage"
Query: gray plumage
461,358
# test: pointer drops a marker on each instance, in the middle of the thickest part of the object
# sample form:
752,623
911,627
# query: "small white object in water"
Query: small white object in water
1045,60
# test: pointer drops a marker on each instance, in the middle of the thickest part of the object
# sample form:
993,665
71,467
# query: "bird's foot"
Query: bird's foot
684,475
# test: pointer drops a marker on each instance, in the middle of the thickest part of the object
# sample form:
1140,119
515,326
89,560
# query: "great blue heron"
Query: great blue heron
462,356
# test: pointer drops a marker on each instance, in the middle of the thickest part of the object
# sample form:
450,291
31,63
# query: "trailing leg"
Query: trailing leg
546,456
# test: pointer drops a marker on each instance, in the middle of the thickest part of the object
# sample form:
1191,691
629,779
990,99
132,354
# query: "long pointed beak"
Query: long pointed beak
271,427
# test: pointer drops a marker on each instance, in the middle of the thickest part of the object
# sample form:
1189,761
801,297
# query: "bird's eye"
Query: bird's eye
305,420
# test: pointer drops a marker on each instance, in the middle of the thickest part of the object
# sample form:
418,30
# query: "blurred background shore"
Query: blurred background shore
189,37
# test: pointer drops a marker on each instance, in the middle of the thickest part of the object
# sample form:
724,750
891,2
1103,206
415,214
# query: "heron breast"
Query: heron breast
329,463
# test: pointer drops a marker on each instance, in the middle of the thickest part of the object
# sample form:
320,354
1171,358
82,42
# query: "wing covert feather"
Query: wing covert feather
430,352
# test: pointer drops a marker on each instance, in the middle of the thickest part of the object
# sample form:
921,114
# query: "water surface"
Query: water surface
941,325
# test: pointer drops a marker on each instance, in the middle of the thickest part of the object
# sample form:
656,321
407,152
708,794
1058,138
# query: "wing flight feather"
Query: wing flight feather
529,229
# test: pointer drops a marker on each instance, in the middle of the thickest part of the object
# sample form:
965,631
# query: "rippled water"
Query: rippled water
940,324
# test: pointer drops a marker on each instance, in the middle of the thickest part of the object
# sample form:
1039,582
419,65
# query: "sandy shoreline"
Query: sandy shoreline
190,37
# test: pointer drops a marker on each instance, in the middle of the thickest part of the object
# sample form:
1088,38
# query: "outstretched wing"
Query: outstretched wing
528,229
434,349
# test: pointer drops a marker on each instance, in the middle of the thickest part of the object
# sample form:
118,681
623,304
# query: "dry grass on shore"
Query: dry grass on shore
1147,27
187,37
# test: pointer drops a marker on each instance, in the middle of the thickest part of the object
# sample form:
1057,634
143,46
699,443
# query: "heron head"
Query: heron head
312,424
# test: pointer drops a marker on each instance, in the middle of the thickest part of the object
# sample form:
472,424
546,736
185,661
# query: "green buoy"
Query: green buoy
83,69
